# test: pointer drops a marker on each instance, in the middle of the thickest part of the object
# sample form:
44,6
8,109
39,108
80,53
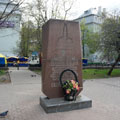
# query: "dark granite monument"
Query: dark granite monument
61,50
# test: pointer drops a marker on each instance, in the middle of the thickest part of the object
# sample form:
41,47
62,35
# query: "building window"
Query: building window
86,12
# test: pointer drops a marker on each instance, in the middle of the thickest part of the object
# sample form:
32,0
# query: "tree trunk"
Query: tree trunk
111,69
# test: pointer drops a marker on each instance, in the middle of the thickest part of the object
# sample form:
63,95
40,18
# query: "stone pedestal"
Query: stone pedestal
60,105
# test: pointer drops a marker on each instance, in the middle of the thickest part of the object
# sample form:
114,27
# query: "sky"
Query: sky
80,6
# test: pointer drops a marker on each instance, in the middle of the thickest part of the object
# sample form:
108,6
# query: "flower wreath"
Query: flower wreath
70,87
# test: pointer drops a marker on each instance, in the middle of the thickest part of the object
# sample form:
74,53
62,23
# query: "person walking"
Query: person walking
18,64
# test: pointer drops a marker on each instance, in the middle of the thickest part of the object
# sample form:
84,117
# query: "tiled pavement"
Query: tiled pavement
21,98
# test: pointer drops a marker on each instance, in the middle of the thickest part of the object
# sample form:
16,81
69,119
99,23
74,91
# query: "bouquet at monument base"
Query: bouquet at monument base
71,88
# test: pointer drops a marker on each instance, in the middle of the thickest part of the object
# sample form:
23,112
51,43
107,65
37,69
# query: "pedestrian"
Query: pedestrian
14,63
17,64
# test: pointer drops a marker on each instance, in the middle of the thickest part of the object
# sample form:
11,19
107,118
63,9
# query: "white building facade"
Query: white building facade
92,18
9,30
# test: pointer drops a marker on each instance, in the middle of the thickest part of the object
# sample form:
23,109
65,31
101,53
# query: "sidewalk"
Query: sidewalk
21,98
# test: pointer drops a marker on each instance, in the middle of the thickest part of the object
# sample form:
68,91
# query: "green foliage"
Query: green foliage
110,41
89,38
92,41
2,72
30,39
25,39
83,27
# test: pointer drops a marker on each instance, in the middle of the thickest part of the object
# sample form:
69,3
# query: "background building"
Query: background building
9,30
93,18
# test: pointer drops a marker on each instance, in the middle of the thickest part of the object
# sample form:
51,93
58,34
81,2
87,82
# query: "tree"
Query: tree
89,38
39,12
110,39
47,9
28,42
8,9
67,5
27,33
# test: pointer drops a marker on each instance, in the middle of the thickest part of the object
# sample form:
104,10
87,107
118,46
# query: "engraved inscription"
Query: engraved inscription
63,59
58,65
54,84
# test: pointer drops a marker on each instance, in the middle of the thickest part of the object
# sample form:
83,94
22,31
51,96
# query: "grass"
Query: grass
2,72
95,73
99,73
4,78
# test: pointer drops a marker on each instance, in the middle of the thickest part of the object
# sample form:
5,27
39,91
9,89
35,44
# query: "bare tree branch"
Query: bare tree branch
66,10
5,14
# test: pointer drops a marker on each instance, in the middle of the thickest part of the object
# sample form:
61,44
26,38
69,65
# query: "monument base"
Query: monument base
60,105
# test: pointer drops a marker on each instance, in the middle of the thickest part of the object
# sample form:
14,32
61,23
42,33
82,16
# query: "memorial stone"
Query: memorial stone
61,50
